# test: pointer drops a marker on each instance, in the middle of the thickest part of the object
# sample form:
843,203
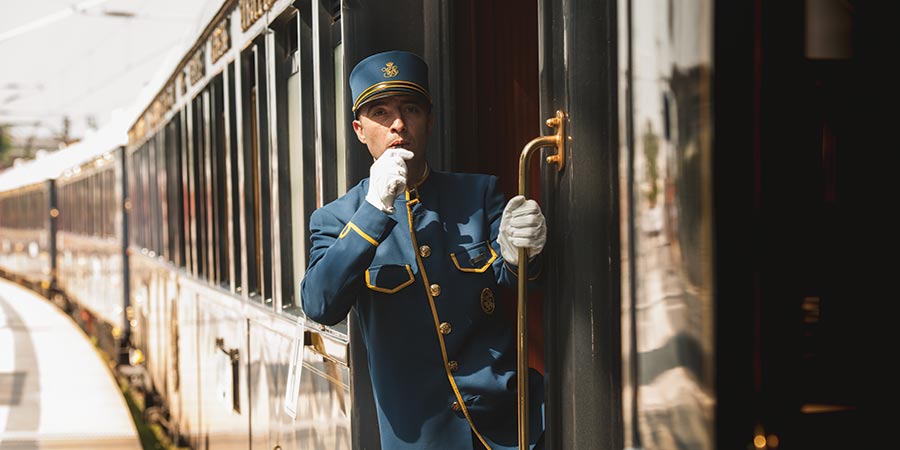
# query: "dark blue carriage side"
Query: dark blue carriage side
61,233
27,247
224,167
90,273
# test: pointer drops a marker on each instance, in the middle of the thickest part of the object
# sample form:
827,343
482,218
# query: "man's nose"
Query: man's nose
399,124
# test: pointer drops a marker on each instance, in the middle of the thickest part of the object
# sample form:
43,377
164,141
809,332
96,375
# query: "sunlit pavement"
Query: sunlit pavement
55,390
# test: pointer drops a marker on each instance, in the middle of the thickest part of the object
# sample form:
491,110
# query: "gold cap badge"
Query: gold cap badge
390,70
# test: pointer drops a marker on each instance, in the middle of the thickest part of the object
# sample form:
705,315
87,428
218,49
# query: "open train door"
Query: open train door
497,71
514,65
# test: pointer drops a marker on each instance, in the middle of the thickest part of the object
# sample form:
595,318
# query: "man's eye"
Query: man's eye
412,108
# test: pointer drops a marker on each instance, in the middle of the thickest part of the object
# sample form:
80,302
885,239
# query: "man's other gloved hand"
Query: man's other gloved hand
387,178
521,226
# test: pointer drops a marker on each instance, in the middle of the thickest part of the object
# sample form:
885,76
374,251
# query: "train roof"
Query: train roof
51,166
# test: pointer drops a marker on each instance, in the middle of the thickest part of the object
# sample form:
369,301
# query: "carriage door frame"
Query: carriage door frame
577,69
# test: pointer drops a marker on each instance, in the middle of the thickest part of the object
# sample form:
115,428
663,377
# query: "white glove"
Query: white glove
521,226
387,178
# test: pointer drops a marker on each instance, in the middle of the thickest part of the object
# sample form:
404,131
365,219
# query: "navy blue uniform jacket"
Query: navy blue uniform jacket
442,357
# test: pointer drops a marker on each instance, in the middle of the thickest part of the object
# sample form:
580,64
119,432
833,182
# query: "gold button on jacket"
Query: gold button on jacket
424,251
435,290
446,328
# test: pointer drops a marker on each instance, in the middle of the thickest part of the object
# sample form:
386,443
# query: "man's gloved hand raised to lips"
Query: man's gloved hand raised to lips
521,226
387,178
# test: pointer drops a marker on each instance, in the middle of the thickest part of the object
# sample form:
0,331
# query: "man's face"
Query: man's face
397,121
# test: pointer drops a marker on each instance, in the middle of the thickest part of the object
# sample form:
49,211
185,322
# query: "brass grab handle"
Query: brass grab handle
314,343
233,353
559,141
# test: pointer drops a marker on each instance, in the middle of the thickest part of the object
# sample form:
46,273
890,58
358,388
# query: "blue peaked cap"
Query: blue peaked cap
388,73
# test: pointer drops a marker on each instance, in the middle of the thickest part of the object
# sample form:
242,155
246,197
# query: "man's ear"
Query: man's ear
357,127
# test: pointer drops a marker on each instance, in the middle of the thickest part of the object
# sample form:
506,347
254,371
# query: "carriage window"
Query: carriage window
186,191
332,111
250,183
149,197
327,159
209,189
100,198
155,202
137,199
100,203
97,204
113,208
296,150
71,218
310,153
340,137
300,147
98,209
161,205
133,194
191,189
145,196
311,147
111,200
90,192
219,177
84,221
130,194
236,185
174,192
198,182
146,203
256,170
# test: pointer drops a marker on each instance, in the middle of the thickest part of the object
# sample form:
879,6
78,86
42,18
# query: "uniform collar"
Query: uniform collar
421,180
412,192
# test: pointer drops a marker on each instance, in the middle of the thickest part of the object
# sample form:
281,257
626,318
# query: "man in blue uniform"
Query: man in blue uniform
419,254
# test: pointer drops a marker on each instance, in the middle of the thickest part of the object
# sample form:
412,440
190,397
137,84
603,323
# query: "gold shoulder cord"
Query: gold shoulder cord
434,315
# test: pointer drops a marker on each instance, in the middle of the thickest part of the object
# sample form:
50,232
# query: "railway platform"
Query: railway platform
55,389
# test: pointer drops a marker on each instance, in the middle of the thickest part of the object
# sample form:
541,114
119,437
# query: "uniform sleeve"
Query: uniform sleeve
507,274
339,255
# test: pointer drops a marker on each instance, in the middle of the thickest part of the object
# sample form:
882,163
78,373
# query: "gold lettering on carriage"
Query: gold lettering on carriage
390,70
219,42
154,115
182,84
196,68
252,10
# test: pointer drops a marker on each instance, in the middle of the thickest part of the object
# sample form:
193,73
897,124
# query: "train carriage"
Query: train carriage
698,289
62,228
25,234
227,163
91,265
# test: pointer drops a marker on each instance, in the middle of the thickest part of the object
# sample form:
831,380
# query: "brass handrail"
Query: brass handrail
558,141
